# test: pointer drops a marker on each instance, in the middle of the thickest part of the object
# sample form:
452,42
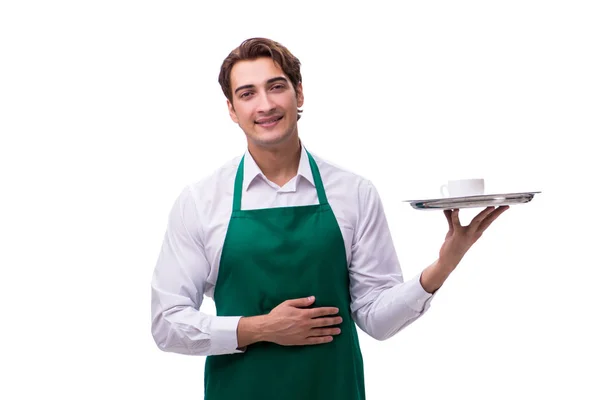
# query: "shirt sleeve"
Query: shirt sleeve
382,302
177,288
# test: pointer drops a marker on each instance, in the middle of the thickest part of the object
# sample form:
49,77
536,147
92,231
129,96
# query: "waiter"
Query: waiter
294,251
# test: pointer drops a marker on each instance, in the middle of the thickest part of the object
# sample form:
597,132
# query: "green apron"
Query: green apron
269,256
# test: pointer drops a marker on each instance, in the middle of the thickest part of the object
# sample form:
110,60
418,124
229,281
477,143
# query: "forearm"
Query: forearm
393,309
185,330
434,276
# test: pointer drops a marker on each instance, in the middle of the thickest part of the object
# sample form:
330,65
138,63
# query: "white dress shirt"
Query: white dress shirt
188,265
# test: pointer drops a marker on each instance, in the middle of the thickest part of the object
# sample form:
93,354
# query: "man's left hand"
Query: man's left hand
459,239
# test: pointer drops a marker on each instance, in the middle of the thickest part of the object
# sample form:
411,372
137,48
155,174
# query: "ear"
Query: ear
299,95
232,113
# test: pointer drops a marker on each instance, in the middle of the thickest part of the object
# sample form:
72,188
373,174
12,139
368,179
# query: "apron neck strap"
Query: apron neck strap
318,181
239,182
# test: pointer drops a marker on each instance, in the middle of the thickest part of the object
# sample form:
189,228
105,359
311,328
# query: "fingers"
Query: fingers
318,322
454,218
295,324
322,311
482,215
302,302
325,332
319,336
448,214
318,340
491,217
453,221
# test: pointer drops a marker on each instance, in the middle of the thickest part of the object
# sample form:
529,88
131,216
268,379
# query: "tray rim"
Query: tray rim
483,197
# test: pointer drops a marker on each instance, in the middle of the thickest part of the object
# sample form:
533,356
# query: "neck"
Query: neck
279,164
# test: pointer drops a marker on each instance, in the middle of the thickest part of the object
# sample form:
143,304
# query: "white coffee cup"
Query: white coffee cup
462,188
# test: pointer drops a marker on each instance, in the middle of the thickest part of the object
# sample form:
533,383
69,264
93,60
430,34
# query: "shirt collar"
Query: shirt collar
252,171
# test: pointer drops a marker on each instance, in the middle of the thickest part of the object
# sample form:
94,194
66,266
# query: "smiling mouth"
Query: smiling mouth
269,122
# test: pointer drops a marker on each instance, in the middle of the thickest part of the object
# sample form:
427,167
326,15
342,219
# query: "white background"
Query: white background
108,109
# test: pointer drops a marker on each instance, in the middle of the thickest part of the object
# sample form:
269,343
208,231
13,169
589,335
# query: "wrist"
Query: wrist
250,330
444,266
434,276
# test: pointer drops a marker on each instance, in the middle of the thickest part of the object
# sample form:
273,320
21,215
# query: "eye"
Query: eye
245,95
278,86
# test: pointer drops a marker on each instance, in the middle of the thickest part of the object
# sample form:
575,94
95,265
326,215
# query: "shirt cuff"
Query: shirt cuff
223,338
416,297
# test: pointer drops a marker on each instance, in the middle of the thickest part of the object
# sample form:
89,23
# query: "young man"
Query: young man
293,250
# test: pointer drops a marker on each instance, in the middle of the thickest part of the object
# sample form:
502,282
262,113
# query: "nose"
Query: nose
265,104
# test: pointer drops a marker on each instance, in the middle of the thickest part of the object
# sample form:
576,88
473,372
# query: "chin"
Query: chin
270,139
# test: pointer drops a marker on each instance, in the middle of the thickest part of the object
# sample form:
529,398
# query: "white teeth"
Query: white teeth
270,121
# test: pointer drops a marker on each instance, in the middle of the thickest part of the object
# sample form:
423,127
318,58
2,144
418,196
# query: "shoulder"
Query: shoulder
353,197
201,198
336,177
213,184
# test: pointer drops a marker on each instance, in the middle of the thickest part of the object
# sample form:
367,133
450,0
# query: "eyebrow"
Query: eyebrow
276,79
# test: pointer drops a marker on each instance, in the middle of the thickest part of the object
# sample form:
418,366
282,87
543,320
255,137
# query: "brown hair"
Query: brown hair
254,48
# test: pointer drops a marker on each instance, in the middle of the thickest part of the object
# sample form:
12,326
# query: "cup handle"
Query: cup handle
444,190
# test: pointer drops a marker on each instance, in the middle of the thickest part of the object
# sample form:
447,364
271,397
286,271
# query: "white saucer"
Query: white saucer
484,200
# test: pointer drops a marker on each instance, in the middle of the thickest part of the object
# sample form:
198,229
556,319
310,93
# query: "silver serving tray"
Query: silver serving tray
484,200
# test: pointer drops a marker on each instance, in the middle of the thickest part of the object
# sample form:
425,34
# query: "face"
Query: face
265,104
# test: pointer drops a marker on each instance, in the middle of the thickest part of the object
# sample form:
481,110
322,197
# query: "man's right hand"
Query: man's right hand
291,324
